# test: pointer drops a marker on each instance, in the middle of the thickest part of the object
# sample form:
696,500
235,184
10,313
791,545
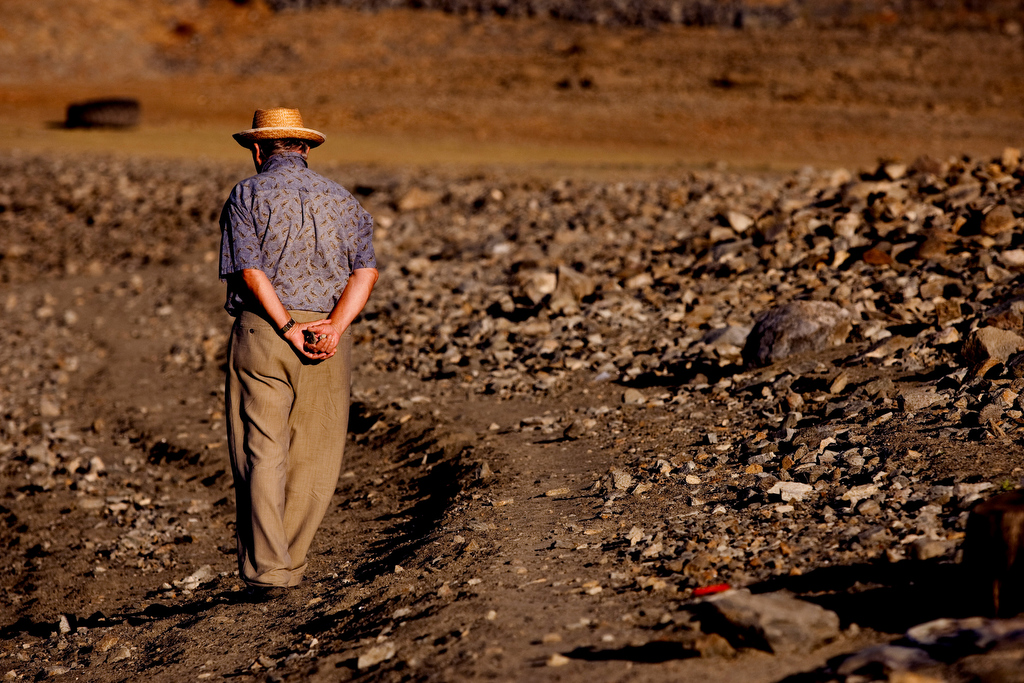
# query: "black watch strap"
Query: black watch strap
287,326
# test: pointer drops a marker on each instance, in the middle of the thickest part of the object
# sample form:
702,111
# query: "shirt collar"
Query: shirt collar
284,160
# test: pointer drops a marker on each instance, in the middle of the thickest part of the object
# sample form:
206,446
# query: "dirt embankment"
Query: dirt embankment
776,98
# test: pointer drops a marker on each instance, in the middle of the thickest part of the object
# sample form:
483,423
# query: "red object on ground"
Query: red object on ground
711,590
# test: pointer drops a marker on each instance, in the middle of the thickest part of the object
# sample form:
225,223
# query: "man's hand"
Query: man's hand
297,339
350,303
262,290
323,337
326,333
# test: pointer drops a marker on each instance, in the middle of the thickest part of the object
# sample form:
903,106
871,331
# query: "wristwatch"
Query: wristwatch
287,326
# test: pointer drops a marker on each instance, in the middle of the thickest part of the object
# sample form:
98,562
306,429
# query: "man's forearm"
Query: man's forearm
353,297
259,284
263,291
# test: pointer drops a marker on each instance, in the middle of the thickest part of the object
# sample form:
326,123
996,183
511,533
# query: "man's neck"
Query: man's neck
282,158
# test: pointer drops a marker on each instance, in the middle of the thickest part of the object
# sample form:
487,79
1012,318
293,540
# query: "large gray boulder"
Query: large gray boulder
797,327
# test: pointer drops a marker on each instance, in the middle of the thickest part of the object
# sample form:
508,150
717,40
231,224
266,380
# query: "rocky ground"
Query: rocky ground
584,410
730,13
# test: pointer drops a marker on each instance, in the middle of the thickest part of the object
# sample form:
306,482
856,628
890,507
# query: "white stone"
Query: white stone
791,490
375,655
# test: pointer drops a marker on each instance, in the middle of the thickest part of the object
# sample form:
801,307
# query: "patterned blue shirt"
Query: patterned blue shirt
305,232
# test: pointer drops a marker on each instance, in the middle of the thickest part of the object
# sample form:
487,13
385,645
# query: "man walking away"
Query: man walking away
297,256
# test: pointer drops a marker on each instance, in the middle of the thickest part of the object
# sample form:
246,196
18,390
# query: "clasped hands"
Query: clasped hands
317,340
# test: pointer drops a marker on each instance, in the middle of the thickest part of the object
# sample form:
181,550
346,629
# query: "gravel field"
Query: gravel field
698,340
582,407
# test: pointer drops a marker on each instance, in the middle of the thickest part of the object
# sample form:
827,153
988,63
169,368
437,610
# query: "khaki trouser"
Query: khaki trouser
287,420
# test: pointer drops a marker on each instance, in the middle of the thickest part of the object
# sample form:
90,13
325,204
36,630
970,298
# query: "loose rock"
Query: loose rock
774,622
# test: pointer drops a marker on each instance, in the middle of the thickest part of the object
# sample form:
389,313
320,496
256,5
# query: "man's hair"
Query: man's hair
269,147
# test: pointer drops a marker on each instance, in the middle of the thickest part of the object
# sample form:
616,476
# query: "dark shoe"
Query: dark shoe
259,594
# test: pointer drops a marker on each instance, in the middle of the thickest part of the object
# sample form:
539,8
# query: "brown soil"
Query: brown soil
463,574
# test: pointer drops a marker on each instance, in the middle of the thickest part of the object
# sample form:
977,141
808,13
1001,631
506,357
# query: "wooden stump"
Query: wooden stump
112,113
994,554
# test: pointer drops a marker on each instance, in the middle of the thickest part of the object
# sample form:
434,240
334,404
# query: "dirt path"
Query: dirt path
519,572
466,571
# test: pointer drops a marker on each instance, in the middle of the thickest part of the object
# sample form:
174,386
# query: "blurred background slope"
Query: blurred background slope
756,83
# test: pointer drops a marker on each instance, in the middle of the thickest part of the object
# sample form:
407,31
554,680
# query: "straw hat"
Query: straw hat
277,123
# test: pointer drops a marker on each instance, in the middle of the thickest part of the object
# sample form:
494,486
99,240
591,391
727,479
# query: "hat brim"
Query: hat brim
247,138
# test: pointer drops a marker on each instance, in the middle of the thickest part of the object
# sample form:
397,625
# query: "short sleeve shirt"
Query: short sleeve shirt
305,232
